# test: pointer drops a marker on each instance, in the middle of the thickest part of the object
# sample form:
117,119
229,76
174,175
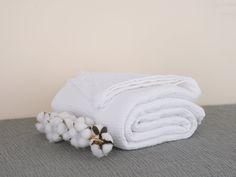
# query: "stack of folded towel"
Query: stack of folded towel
139,110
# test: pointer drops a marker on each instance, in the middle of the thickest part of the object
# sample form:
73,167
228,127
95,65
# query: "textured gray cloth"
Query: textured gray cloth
210,152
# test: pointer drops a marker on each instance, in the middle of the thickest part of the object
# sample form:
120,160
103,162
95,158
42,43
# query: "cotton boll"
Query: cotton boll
102,139
80,124
96,151
46,115
52,137
66,136
86,133
64,115
55,121
48,128
49,136
54,125
56,137
81,132
46,119
79,142
82,143
74,142
54,114
106,148
40,117
72,132
72,117
69,123
80,120
89,121
108,143
53,128
40,127
107,137
61,128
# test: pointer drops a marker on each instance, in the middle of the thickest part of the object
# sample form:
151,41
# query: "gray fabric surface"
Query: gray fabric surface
210,152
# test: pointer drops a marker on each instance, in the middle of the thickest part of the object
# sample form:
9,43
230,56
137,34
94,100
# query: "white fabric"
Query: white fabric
139,110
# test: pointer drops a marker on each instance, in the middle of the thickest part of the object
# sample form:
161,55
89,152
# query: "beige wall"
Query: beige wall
42,43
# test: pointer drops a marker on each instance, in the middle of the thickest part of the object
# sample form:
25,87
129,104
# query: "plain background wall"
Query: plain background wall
43,43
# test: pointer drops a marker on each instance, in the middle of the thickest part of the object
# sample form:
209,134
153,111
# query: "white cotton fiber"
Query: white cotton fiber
88,121
86,133
96,151
72,132
55,121
107,137
40,127
52,137
66,136
106,148
48,128
69,122
80,124
64,126
79,142
56,137
40,117
83,142
64,115
74,142
61,128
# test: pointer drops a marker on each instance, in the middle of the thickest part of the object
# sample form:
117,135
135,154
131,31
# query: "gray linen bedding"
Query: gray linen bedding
210,152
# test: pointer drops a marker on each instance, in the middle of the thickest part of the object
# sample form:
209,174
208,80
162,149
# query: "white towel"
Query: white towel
139,110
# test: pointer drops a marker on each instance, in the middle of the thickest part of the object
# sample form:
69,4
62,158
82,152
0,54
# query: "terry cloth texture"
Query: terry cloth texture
210,152
138,110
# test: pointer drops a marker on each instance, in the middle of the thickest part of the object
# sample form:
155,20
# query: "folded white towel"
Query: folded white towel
139,110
